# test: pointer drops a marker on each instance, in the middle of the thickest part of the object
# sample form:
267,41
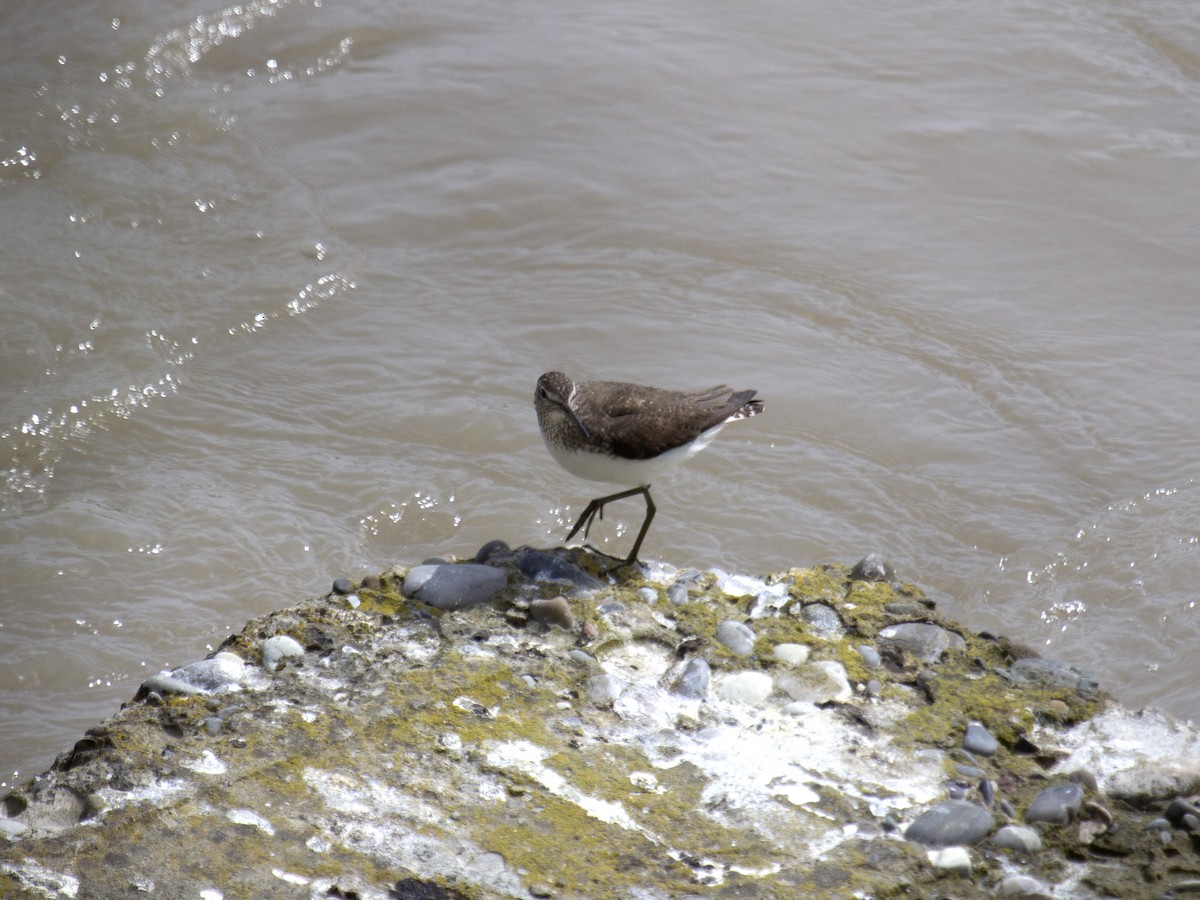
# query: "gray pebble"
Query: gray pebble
951,823
1021,886
693,679
965,771
157,685
604,689
869,655
922,640
678,594
1058,804
1021,838
1177,809
217,671
213,725
343,586
553,611
736,636
538,565
279,647
979,740
872,567
648,595
454,586
581,657
874,688
822,618
1047,671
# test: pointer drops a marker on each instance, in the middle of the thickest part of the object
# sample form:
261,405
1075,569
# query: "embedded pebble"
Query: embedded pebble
281,646
1058,804
872,567
870,656
822,618
213,725
738,638
452,587
538,565
693,679
737,585
11,827
979,740
791,654
1178,809
648,595
1047,671
678,594
769,601
343,586
751,688
874,688
922,640
553,611
954,859
1021,886
1021,838
215,672
604,689
951,823
821,682
580,657
165,684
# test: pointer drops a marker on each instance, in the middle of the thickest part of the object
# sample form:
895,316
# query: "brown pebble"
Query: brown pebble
589,632
555,611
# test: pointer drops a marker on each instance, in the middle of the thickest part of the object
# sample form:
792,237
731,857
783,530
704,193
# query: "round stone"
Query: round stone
693,679
454,586
870,656
951,823
279,647
822,618
1057,805
1021,886
791,654
751,688
1021,838
552,611
343,586
604,689
737,637
872,567
922,640
979,740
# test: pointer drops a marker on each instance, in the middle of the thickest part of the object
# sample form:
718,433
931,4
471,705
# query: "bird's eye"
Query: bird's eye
543,393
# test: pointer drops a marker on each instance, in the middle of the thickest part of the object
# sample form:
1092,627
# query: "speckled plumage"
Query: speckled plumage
628,434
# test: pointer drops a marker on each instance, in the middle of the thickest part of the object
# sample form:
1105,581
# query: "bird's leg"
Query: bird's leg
596,508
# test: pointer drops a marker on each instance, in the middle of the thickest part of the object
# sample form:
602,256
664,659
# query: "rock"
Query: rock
924,641
1021,886
165,684
769,601
820,682
791,654
693,679
1047,671
870,656
677,594
1021,838
537,565
751,687
343,586
604,689
979,740
1178,809
737,585
552,611
279,647
648,595
872,567
736,637
454,586
951,823
218,671
953,859
1057,805
822,618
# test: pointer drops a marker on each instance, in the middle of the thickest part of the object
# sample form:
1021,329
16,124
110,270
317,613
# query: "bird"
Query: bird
629,434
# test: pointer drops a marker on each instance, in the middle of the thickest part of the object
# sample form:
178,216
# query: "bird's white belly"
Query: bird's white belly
631,472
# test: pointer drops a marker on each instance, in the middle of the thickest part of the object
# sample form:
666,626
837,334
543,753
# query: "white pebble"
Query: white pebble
751,688
791,654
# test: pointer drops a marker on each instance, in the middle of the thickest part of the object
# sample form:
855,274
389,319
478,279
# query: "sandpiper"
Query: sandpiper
629,433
